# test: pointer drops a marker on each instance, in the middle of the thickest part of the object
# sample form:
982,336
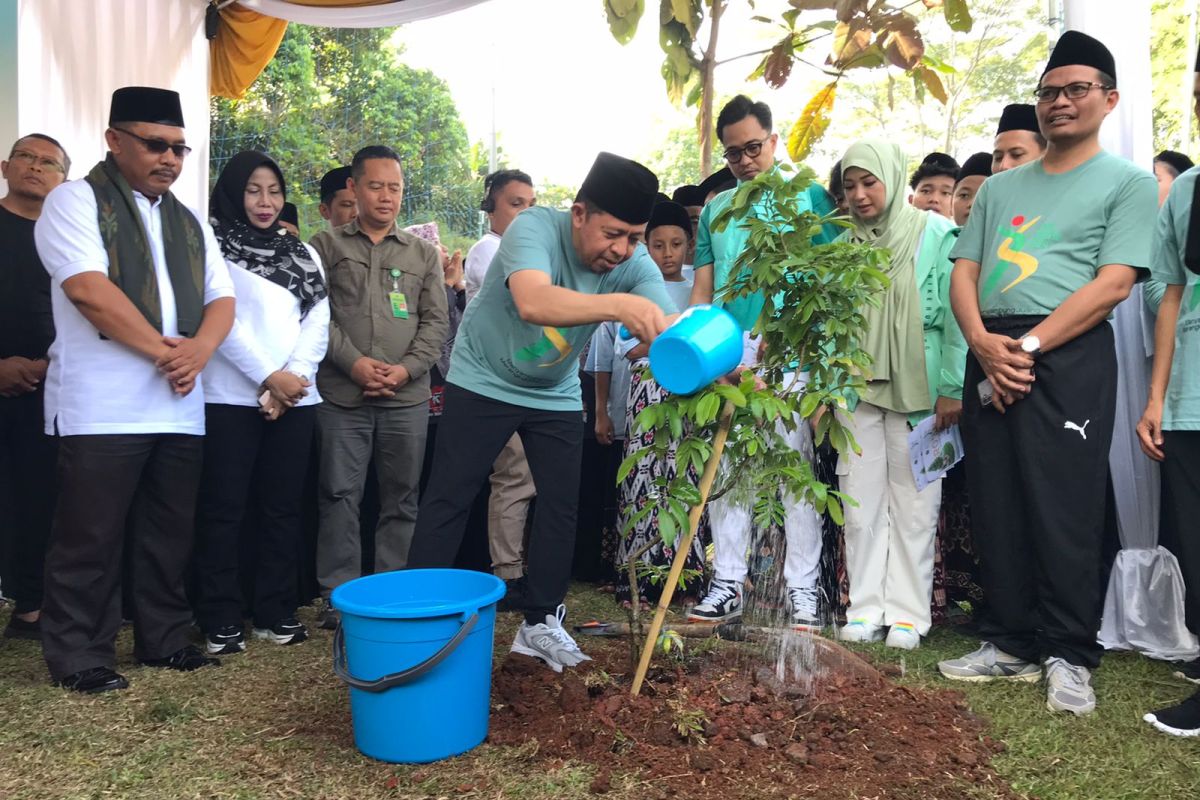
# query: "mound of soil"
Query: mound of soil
720,727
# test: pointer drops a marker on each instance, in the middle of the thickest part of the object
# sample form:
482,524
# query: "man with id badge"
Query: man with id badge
1050,248
388,319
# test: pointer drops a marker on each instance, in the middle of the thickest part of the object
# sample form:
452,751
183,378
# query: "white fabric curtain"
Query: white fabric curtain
1143,609
72,55
380,16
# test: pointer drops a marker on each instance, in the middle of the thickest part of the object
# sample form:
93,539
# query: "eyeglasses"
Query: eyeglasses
734,154
158,146
1073,91
32,158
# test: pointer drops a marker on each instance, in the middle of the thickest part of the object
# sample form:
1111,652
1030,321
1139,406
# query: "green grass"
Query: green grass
274,723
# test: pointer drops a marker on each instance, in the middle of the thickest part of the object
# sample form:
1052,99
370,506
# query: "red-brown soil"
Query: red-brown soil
855,735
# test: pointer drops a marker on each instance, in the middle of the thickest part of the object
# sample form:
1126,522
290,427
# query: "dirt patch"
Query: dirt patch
722,727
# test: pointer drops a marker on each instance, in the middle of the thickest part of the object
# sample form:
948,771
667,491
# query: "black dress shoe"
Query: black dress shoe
94,681
18,628
184,660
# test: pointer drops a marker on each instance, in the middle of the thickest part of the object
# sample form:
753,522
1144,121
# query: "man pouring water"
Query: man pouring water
515,369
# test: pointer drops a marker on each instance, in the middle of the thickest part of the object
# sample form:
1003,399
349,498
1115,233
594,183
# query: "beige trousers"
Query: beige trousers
508,506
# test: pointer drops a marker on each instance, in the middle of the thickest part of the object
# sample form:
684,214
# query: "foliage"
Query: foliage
980,73
329,92
676,159
813,316
865,35
1171,69
687,721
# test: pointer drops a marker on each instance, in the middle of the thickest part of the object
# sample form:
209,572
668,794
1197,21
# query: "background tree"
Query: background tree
330,91
862,35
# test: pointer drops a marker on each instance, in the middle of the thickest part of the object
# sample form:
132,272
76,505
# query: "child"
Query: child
624,388
933,184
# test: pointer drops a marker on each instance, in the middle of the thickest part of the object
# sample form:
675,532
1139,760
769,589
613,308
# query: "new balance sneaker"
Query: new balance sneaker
550,642
903,636
805,614
1189,671
989,663
723,602
859,630
286,631
1180,720
225,641
1069,688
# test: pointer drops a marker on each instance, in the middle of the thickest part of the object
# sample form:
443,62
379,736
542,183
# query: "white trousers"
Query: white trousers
890,534
731,524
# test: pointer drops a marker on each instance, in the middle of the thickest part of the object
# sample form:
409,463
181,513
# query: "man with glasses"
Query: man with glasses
36,164
141,297
744,129
1051,247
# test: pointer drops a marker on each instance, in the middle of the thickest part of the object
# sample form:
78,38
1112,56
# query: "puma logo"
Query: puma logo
1071,426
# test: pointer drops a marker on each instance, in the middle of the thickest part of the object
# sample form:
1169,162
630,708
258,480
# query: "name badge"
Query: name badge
399,305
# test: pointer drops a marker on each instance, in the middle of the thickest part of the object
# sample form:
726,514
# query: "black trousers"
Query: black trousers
471,433
118,493
1036,477
1181,513
27,457
248,458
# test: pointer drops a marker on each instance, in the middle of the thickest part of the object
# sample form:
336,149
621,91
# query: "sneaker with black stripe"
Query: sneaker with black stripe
286,631
1189,671
225,641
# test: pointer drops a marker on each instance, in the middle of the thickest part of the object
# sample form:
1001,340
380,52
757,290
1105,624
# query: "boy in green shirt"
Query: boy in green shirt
1051,247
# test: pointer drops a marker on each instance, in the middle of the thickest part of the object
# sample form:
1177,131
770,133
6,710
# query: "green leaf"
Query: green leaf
731,394
958,17
623,17
667,529
834,509
627,466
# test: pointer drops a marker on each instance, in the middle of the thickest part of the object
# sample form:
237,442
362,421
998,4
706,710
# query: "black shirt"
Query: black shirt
26,318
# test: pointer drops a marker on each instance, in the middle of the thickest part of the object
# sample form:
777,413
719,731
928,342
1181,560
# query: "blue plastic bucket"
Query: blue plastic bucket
415,646
699,347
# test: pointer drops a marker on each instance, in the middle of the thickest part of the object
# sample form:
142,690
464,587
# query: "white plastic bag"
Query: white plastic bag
1143,609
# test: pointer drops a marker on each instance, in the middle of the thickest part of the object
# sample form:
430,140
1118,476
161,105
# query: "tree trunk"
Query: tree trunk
708,66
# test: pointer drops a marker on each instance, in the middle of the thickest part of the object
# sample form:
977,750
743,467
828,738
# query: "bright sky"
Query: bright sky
564,88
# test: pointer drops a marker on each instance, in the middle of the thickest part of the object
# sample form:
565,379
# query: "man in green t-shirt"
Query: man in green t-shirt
1051,247
515,369
1169,430
744,129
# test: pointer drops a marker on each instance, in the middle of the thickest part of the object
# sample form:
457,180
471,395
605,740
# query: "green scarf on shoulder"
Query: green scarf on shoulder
130,262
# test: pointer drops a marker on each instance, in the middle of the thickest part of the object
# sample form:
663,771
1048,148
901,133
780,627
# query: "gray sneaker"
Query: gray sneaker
988,664
550,642
1069,688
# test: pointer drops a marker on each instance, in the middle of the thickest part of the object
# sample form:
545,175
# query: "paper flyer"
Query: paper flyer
931,452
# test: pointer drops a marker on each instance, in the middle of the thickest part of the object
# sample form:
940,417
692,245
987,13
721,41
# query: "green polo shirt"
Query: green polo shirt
1181,407
719,250
499,355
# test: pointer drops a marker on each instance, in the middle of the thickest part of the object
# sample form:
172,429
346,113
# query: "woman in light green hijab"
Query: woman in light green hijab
918,355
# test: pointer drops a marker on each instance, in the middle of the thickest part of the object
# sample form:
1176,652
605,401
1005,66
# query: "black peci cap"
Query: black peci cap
977,164
145,104
1077,48
669,213
1018,117
334,181
621,187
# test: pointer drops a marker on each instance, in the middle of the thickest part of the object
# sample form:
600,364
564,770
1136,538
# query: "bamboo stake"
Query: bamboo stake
683,546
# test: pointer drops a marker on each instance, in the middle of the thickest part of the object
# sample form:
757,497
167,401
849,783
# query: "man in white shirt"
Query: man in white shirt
141,299
507,193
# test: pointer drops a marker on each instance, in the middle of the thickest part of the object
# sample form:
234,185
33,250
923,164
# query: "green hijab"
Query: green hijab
895,336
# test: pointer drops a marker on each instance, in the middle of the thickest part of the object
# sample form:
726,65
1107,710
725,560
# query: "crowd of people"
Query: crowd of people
180,392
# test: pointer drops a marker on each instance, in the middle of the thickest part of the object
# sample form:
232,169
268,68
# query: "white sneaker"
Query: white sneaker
859,630
904,636
550,642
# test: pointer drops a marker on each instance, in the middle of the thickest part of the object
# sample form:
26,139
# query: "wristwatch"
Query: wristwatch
1032,345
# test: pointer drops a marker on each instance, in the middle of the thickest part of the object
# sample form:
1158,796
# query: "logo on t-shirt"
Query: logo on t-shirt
552,339
1016,239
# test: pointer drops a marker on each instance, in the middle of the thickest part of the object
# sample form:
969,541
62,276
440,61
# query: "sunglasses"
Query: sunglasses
158,146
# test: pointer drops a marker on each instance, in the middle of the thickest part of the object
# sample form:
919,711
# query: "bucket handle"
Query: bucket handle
409,675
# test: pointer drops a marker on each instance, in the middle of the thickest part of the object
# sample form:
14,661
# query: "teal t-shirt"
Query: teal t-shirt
499,355
1040,237
1181,407
722,248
